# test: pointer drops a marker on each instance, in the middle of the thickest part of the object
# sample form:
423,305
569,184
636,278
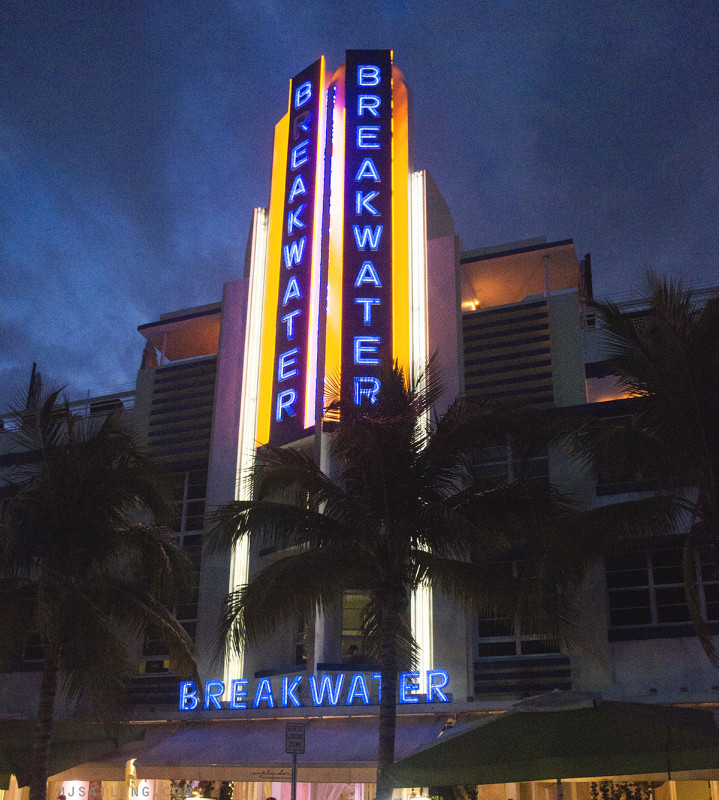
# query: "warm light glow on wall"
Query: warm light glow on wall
249,408
400,223
607,398
313,328
333,334
272,280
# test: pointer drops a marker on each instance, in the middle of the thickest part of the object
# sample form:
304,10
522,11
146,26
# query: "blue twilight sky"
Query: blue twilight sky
136,137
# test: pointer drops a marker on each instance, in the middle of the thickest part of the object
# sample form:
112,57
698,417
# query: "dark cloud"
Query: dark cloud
135,139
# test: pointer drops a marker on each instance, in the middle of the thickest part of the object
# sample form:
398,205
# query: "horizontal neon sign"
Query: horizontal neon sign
325,690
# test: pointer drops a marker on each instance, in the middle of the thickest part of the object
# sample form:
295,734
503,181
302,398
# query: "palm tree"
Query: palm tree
666,355
77,568
400,508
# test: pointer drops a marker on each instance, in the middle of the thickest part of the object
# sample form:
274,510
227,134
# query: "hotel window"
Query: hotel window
190,492
33,652
614,476
501,461
646,590
187,612
353,608
301,642
501,636
155,657
191,488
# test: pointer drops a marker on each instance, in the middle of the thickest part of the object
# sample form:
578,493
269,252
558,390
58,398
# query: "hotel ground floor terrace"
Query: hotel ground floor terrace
199,755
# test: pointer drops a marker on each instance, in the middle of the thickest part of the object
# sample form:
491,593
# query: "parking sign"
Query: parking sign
295,738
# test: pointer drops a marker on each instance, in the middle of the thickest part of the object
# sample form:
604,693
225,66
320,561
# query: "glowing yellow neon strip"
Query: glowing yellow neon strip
418,273
400,223
272,283
313,327
333,332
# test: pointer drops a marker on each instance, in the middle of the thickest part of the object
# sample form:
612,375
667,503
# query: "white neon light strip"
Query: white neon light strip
334,284
417,274
421,601
313,327
421,608
247,439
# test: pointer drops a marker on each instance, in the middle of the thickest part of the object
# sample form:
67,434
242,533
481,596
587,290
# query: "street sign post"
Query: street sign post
294,743
295,738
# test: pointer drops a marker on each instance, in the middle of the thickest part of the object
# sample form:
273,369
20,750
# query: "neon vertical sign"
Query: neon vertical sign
345,279
367,234
296,334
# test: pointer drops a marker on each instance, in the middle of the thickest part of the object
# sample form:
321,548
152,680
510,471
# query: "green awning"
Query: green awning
72,743
611,739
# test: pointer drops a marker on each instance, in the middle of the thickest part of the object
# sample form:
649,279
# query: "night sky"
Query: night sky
136,137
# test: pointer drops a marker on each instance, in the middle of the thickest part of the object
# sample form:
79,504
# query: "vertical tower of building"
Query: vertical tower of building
337,286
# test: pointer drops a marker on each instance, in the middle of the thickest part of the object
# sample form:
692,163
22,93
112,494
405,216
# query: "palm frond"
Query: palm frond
580,539
38,429
292,588
290,474
278,524
370,630
493,591
93,655
151,556
73,544
17,617
138,613
610,446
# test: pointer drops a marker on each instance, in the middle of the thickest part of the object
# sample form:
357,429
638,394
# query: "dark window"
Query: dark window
33,651
190,491
612,473
105,406
301,642
501,461
501,636
647,588
353,607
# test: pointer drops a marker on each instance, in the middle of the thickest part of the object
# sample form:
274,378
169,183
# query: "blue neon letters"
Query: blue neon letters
300,246
367,345
303,93
324,690
367,75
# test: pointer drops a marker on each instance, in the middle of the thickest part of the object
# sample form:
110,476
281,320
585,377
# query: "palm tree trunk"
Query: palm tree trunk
43,727
388,703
